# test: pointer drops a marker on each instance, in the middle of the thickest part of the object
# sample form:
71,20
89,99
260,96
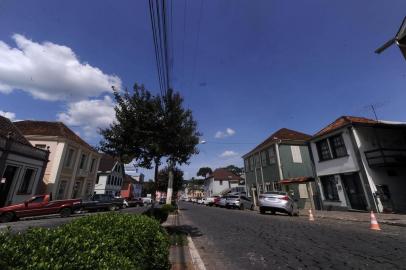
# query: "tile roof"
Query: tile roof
344,121
106,163
6,127
45,128
283,134
224,174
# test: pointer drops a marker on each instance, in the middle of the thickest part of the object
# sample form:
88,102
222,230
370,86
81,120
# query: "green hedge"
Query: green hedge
103,241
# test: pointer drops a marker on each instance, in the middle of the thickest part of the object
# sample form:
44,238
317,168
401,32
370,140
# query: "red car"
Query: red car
37,206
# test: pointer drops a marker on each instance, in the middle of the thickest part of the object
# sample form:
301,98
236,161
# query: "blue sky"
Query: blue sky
252,68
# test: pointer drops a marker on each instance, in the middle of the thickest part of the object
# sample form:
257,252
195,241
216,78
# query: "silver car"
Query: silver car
223,201
239,201
277,201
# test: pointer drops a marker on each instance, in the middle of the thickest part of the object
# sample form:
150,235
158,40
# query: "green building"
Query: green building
282,162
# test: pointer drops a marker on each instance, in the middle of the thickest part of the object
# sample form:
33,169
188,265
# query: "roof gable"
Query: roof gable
45,128
342,122
283,134
7,127
224,174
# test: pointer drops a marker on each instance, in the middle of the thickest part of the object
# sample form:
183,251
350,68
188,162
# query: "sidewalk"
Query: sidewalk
179,254
389,219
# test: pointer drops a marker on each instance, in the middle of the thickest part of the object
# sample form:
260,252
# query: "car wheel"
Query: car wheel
112,208
261,211
241,207
7,217
124,206
65,212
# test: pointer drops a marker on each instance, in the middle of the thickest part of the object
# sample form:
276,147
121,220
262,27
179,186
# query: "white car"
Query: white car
223,201
146,200
200,201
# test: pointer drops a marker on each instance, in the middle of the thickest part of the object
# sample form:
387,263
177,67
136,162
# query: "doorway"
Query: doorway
5,183
355,193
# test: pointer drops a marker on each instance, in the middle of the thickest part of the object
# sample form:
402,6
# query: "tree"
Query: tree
148,188
163,176
234,169
204,172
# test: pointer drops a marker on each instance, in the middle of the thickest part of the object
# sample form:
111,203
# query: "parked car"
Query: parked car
210,200
37,206
277,201
216,201
98,202
200,200
162,200
222,202
239,201
146,200
136,201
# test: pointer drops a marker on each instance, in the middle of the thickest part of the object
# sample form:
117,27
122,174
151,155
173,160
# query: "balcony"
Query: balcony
385,157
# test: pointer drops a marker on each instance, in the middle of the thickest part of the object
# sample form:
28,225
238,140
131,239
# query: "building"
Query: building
72,168
282,162
21,165
110,176
132,186
361,164
222,181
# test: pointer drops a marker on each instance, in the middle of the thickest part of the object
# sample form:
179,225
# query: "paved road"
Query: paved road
55,220
233,239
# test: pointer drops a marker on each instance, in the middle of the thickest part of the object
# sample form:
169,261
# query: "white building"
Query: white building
361,164
72,166
21,165
110,176
222,181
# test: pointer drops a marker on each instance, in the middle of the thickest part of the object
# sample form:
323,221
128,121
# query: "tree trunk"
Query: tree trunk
170,184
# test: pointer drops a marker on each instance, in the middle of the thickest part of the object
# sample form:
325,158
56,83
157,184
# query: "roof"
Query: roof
107,163
283,134
45,128
224,174
7,127
296,180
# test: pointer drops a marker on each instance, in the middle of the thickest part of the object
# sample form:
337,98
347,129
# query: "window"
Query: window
92,164
263,158
277,186
61,190
251,163
323,150
338,146
247,165
41,146
257,161
108,180
28,179
88,190
329,188
221,182
296,155
39,199
271,153
82,161
68,159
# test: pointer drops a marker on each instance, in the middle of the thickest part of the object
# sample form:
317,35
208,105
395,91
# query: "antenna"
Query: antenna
373,110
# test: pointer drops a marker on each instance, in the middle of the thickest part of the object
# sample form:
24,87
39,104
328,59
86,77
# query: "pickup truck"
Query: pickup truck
102,202
37,206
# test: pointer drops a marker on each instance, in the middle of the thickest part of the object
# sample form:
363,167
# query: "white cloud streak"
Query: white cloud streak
223,134
89,114
228,154
50,71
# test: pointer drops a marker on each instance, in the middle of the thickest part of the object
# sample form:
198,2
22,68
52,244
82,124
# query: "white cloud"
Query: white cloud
228,153
222,134
50,71
89,114
9,115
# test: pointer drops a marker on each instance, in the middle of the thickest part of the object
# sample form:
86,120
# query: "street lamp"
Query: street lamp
399,39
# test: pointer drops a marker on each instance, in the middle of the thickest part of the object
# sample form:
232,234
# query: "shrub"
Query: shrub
157,213
103,241
168,208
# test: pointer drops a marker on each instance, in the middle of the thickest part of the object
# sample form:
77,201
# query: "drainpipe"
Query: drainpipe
316,181
369,196
278,159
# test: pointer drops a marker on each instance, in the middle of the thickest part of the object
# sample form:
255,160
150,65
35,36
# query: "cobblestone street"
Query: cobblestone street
233,239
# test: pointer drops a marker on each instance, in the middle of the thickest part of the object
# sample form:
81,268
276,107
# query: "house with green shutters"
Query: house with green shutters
282,163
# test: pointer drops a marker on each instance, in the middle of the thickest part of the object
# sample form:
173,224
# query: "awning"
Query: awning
296,180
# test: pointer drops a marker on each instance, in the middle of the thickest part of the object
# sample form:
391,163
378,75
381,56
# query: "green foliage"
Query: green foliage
103,241
234,169
163,176
204,172
168,208
159,214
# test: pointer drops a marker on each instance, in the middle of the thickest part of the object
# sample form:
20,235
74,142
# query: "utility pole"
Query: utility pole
169,191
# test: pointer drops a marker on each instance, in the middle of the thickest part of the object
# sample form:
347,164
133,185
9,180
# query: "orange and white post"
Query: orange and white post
374,223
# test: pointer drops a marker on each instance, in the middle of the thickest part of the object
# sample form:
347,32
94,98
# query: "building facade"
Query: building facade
282,163
21,165
72,168
222,181
361,164
110,176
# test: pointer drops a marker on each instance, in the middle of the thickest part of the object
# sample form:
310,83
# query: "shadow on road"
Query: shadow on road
186,229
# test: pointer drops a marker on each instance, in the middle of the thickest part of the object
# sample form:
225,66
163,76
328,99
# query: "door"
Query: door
355,193
34,207
5,183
